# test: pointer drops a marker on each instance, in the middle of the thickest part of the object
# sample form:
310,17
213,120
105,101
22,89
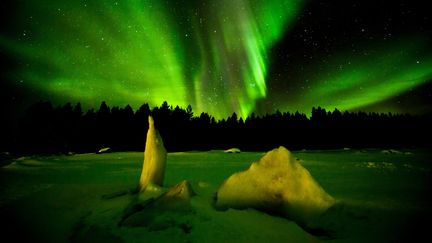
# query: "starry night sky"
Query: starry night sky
221,56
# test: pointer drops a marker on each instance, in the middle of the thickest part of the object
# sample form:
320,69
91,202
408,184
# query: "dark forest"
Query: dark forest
68,129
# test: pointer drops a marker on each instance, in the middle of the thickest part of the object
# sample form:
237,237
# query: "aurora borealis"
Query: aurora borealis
221,57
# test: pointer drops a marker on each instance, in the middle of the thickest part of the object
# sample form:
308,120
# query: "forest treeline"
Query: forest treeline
64,129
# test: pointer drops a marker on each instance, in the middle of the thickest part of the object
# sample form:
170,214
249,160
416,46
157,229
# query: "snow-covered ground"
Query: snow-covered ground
81,198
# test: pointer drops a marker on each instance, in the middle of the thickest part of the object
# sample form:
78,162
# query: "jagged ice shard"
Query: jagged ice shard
153,171
276,184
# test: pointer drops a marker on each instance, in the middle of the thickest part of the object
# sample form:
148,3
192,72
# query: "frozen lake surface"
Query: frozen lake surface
383,196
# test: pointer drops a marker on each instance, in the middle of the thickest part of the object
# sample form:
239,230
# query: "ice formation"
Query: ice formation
153,171
181,192
276,184
171,209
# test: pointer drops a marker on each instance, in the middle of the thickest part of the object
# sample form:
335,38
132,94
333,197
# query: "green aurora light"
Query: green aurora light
131,52
351,81
213,55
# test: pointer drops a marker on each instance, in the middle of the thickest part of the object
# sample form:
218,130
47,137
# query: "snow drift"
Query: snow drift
276,184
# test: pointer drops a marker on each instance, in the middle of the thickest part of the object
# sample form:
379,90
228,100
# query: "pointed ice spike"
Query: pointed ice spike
155,155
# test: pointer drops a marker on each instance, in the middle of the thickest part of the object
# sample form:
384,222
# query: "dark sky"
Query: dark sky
219,56
362,51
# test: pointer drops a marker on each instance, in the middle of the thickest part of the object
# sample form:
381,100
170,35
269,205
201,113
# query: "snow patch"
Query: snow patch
233,151
393,151
104,150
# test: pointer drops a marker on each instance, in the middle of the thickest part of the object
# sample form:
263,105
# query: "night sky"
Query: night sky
219,56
